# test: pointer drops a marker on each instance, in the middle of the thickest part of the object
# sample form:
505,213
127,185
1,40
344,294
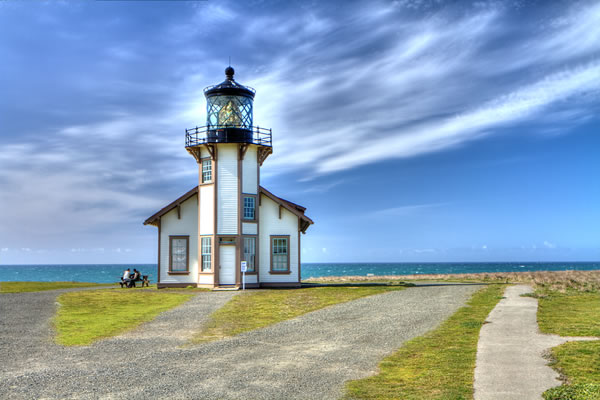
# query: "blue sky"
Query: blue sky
411,130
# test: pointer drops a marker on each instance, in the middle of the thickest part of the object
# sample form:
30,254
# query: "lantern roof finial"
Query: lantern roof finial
229,71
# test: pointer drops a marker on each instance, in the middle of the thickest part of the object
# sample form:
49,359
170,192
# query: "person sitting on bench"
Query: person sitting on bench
126,279
135,277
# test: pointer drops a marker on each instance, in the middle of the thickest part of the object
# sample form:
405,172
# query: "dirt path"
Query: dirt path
510,363
304,358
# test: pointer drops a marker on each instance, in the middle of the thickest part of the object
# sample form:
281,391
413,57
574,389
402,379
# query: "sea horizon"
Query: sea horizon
107,273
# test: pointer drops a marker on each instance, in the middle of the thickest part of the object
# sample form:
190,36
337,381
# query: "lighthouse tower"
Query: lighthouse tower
229,151
206,234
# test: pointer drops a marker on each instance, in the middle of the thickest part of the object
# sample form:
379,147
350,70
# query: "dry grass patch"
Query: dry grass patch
560,281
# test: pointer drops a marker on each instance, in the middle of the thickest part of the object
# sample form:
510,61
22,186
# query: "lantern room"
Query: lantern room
229,116
229,104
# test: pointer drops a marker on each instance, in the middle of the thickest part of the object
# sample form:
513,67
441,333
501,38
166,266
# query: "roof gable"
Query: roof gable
153,220
294,208
291,207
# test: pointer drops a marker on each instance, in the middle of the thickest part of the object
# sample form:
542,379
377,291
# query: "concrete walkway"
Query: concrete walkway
510,353
309,357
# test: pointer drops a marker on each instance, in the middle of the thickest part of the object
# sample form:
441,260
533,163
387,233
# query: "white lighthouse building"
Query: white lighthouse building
204,235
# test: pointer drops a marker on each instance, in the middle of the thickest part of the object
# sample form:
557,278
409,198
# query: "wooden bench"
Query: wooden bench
144,279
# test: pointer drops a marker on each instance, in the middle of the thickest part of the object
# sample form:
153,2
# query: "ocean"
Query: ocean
106,273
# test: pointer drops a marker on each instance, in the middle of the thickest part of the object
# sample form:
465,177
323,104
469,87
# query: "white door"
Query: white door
227,263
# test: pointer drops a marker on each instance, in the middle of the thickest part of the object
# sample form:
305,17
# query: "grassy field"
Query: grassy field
573,310
438,365
86,316
572,313
19,287
257,309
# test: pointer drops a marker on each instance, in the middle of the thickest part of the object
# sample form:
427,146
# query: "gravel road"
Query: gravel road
308,357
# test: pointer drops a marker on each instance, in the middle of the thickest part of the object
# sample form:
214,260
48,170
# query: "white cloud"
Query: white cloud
437,83
419,251
324,187
474,124
403,210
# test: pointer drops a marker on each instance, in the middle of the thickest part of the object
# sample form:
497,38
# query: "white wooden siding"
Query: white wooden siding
249,228
270,224
207,209
206,279
227,189
250,171
250,279
186,226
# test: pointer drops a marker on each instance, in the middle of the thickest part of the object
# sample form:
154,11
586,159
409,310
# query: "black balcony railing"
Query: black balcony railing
227,134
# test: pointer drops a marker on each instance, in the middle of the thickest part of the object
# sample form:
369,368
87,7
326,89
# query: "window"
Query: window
179,248
249,207
250,252
206,170
206,254
280,254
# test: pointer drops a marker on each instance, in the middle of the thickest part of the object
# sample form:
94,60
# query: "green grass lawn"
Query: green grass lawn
18,287
257,309
579,364
438,365
86,316
573,313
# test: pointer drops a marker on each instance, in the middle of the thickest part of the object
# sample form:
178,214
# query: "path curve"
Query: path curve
510,353
308,357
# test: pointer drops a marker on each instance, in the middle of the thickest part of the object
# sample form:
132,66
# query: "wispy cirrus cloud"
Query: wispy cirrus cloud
431,84
403,211
509,109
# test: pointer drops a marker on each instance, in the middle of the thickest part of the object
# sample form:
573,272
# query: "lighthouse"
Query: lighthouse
229,223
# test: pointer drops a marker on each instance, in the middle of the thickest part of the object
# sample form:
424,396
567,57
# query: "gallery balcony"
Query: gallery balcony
228,134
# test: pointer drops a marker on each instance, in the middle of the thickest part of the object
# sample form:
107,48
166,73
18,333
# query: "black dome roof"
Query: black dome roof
229,87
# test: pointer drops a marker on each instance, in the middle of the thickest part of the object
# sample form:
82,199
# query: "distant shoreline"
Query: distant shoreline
520,276
110,273
330,263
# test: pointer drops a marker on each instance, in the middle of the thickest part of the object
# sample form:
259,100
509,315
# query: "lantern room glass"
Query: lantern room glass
232,111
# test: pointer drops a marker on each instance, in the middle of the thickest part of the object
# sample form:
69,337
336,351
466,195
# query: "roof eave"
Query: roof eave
296,209
153,220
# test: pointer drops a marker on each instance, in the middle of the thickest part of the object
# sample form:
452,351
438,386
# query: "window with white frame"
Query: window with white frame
250,252
280,254
206,254
206,170
249,207
179,253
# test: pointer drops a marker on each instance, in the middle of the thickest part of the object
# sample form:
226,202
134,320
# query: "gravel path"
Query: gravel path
304,358
174,327
510,362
